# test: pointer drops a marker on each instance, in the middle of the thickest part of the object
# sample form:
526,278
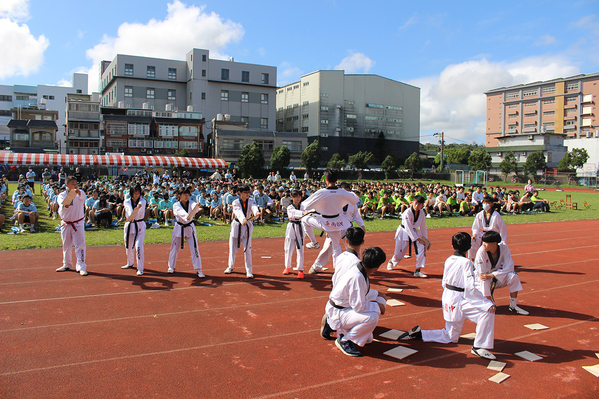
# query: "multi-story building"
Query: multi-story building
33,130
243,91
562,106
147,132
83,124
347,113
43,96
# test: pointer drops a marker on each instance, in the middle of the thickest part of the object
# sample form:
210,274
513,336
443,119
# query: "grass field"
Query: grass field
45,237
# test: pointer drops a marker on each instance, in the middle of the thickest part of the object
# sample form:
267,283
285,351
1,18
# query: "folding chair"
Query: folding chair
587,206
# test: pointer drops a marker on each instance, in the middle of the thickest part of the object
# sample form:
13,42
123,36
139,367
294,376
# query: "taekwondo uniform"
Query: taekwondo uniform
328,204
351,213
481,225
412,227
502,270
242,235
461,300
352,309
135,232
294,237
72,230
184,229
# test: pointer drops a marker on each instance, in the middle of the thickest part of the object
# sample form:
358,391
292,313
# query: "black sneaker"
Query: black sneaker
325,329
414,333
347,347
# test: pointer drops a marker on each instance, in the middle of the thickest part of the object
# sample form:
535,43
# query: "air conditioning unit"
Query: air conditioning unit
143,150
499,154
589,134
523,154
150,152
530,136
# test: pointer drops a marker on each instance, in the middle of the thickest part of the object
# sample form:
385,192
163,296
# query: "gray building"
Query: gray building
33,130
244,92
83,124
347,113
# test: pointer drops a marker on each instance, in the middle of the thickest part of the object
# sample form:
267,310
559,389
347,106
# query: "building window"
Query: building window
79,91
151,72
394,108
547,102
571,99
569,122
264,98
572,87
245,119
203,57
548,89
150,92
293,145
172,95
224,95
265,78
324,95
512,94
512,106
530,104
224,74
128,91
190,131
245,76
305,129
265,145
129,69
374,106
245,97
172,73
264,123
203,96
324,108
529,125
529,93
324,121
306,103
546,113
232,144
305,116
47,97
512,126
306,84
203,73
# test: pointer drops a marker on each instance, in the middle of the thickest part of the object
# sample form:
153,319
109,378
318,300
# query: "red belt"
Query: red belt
73,223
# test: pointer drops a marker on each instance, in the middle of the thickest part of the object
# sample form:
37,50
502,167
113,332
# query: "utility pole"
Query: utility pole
442,134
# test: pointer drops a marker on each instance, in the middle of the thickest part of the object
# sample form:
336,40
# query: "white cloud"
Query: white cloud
184,27
64,83
454,101
262,51
17,10
287,73
355,62
412,21
545,40
22,53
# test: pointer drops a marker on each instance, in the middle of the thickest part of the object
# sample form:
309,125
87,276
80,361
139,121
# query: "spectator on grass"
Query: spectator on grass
477,198
525,202
102,211
30,175
529,188
466,209
165,208
27,213
539,203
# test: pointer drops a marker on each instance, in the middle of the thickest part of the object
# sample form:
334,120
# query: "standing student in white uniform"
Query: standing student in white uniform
184,211
328,205
135,229
494,268
72,229
411,230
353,308
351,213
461,300
486,220
294,235
244,211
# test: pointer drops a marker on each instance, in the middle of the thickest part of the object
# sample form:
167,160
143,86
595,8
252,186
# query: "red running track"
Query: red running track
114,335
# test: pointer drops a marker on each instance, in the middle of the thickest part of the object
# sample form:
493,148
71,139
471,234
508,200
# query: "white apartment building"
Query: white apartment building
40,96
83,124
347,113
245,92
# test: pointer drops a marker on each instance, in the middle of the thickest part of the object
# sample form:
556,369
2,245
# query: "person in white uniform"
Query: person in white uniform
494,268
72,229
351,213
294,235
412,230
327,204
135,229
486,220
244,211
184,211
353,309
461,300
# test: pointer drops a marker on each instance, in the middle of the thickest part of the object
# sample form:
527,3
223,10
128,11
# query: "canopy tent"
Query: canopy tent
110,160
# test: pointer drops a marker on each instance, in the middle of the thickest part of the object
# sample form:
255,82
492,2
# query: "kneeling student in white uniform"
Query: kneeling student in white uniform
244,211
461,300
494,268
135,229
72,232
353,308
184,211
294,235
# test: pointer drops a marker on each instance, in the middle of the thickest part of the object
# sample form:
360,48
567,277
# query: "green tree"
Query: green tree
458,155
388,166
413,163
479,159
381,149
336,162
280,158
535,162
311,157
251,160
573,160
181,153
360,160
509,164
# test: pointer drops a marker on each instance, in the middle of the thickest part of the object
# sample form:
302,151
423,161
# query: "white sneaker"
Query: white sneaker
482,352
313,245
249,275
407,256
518,310
171,271
390,265
63,269
140,273
418,273
428,216
200,274
83,273
314,269
228,270
127,267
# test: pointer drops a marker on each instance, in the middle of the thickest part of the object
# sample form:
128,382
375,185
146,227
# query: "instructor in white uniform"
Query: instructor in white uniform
135,229
184,211
72,229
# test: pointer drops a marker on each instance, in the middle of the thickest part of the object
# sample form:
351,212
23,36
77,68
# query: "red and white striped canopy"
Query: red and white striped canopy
110,160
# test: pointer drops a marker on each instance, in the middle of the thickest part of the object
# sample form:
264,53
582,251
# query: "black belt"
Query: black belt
247,241
329,216
299,234
136,231
454,288
335,305
183,226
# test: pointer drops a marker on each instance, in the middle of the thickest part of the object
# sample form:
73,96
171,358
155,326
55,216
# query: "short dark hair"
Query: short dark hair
492,236
186,190
295,193
135,188
243,188
344,185
331,175
461,241
70,178
355,236
373,257
488,198
419,199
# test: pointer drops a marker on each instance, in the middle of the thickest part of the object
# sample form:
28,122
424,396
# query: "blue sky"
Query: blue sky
454,51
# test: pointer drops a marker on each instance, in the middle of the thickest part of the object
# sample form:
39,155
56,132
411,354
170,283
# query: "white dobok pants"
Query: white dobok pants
136,246
69,238
401,248
355,327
